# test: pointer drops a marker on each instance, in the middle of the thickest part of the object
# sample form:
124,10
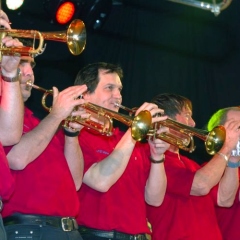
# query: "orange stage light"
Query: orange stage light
65,12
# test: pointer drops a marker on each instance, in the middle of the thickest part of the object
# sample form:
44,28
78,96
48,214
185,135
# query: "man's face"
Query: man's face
107,92
27,75
185,117
234,115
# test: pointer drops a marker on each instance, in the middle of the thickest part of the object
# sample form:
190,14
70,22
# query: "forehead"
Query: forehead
109,78
233,114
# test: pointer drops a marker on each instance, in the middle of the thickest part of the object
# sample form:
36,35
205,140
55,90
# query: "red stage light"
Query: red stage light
65,12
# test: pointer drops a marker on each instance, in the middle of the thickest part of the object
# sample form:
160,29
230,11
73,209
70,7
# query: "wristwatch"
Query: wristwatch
12,79
233,164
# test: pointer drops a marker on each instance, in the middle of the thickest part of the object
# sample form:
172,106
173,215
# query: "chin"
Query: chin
26,96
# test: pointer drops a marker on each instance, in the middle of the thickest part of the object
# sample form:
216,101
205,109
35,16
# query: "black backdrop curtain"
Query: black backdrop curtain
162,47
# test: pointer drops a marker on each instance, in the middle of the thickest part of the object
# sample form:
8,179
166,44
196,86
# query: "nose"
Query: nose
26,70
117,94
191,122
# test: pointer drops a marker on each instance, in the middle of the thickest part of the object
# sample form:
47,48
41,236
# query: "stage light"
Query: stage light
92,12
14,4
62,11
65,12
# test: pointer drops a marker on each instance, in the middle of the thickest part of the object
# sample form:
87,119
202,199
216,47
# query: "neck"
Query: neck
173,149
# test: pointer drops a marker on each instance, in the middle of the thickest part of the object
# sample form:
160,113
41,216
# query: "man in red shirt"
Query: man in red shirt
187,211
119,173
228,218
47,172
11,113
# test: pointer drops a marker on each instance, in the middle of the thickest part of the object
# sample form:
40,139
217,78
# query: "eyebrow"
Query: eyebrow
32,63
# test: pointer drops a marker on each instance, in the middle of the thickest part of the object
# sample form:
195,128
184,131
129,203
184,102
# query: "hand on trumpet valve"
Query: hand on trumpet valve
78,115
9,64
232,133
158,146
66,101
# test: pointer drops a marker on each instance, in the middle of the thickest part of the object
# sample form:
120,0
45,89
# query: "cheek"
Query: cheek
23,86
181,119
185,120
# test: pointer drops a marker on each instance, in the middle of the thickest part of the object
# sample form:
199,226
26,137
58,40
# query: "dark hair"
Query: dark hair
220,117
171,103
89,74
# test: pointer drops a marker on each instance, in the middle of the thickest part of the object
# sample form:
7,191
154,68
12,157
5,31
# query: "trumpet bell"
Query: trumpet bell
76,37
141,125
215,140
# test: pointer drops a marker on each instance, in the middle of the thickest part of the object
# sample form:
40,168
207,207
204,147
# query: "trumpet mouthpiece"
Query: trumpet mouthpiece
117,104
29,83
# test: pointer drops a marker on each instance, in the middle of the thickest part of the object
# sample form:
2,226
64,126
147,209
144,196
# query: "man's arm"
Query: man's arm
74,156
228,185
34,142
11,109
102,175
11,112
211,173
157,181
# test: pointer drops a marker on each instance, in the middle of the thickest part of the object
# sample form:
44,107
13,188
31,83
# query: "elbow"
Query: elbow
154,201
78,185
11,137
225,200
10,141
226,204
202,190
16,139
102,187
16,163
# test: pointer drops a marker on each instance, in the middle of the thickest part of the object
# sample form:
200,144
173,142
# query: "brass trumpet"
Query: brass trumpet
181,135
140,124
75,37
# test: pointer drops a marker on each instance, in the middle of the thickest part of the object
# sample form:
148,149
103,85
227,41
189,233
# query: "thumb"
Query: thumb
55,93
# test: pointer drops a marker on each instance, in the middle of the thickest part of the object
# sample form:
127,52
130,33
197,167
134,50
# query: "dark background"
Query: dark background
162,47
